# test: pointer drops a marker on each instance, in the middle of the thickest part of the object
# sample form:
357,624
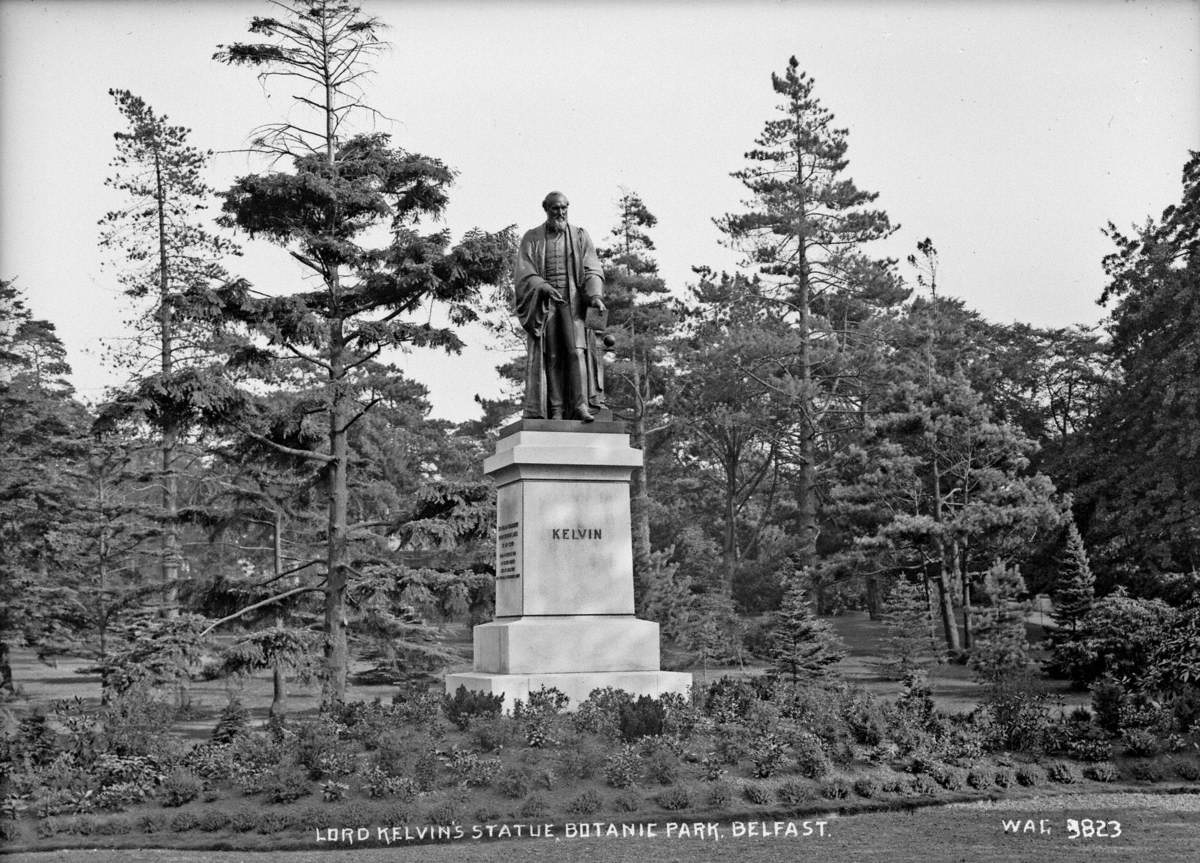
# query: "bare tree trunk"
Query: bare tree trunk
639,494
279,705
337,657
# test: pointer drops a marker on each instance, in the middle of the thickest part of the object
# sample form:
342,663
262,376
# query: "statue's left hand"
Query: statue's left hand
597,303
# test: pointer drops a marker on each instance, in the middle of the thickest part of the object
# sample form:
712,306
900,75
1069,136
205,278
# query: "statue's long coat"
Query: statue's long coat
533,310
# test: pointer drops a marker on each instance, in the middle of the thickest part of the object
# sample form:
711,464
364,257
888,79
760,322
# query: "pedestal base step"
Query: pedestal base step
577,685
566,644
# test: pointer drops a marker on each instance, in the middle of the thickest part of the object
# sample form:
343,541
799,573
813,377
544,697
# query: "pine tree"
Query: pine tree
804,233
366,300
910,644
1075,590
640,318
166,256
1001,647
802,645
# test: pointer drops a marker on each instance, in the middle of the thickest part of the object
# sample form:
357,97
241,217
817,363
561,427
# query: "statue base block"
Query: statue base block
564,570
567,643
576,685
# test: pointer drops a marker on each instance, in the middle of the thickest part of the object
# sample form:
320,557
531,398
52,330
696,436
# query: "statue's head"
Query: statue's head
555,204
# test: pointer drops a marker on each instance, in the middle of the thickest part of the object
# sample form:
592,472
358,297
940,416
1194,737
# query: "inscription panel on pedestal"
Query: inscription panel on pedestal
510,551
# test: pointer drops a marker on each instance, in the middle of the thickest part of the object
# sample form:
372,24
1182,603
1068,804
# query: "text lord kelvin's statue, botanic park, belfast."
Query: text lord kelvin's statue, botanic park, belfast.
564,552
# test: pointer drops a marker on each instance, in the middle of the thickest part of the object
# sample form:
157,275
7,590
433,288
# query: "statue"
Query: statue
558,300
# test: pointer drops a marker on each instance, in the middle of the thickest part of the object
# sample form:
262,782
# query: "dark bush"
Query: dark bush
445,813
895,785
642,718
729,699
181,787
466,705
212,820
184,821
719,795
274,822
950,778
674,799
810,756
756,794
232,722
1102,772
426,771
628,801
867,786
835,789
981,778
794,793
1141,743
622,769
731,743
768,752
1188,770
154,823
287,782
1107,697
493,732
1029,775
243,820
1063,773
319,748
1185,706
587,803
114,826
1147,771
514,782
534,806
923,785
662,765
471,770
1005,777
582,761
865,719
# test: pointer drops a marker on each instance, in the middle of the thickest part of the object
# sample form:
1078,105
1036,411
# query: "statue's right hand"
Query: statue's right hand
553,293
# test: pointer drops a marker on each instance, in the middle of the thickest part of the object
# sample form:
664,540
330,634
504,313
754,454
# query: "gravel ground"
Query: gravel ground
1153,827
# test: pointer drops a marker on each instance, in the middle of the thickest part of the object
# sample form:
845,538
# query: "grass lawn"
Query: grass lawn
1152,828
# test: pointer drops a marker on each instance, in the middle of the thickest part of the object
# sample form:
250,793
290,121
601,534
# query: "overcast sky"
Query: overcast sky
1009,133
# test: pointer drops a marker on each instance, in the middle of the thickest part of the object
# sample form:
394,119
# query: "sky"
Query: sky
1010,133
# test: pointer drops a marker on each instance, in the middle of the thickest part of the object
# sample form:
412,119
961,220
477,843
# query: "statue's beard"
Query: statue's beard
558,223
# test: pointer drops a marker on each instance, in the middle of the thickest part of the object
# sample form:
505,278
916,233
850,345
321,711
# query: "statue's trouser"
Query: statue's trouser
566,369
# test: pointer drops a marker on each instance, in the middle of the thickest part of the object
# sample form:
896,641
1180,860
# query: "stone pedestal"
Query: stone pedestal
564,569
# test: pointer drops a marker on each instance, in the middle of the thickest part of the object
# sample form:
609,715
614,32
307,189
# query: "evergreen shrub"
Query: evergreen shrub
867,786
1063,773
587,803
756,793
835,789
645,717
467,704
627,801
1029,775
180,787
793,793
1103,772
674,799
719,795
534,806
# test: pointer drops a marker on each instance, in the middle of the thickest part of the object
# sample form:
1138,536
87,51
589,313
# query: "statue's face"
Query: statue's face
556,211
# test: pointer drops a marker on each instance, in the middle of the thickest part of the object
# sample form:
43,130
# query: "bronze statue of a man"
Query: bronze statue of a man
558,277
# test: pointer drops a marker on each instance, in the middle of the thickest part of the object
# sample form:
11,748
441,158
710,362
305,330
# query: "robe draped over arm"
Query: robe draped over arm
531,305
